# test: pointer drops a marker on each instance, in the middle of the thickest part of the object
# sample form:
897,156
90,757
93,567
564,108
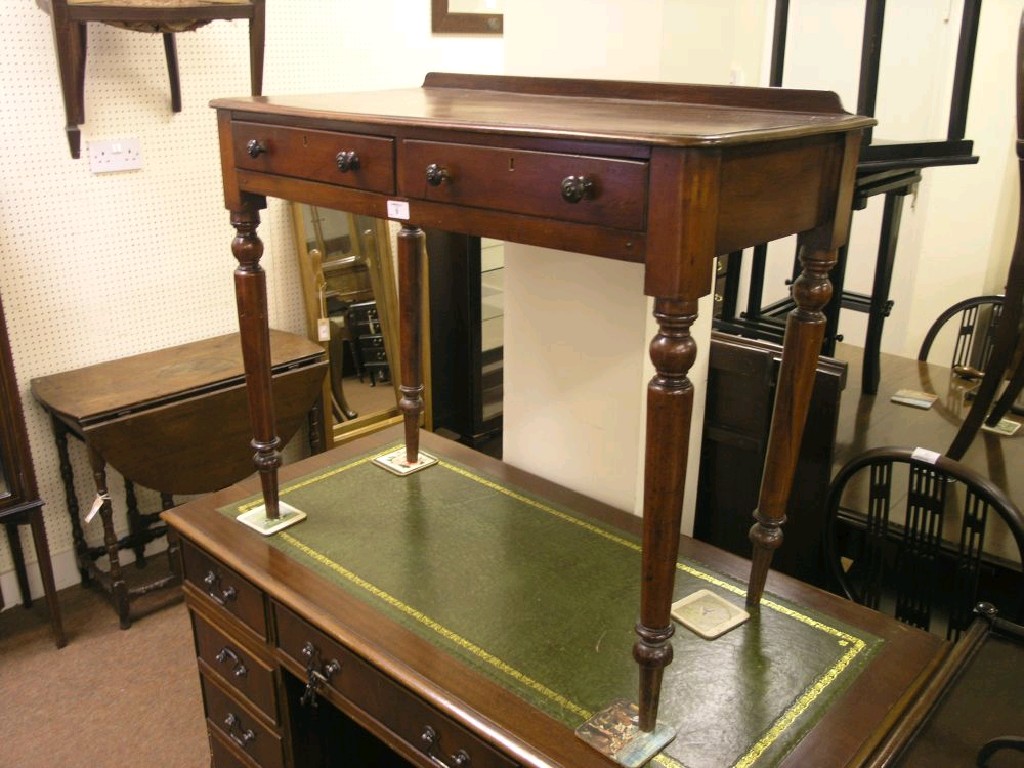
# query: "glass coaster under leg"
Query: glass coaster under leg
614,732
256,518
397,463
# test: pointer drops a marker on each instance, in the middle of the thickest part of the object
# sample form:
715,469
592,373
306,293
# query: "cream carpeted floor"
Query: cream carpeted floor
109,698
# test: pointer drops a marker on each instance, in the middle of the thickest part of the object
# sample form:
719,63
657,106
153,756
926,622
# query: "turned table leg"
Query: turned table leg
669,408
118,586
251,294
410,293
805,329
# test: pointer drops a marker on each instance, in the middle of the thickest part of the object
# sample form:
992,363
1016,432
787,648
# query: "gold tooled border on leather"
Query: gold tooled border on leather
855,645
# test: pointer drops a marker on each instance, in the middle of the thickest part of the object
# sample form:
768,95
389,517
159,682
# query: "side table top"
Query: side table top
116,387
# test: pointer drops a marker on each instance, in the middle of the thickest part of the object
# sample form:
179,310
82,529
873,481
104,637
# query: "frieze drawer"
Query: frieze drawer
245,730
224,588
606,191
345,159
338,671
235,666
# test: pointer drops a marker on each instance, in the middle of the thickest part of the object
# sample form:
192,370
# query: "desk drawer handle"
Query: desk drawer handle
347,161
430,741
233,724
255,148
219,596
227,656
318,674
577,188
436,175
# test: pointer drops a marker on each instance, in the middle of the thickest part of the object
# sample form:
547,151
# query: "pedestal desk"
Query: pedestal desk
668,176
173,420
472,615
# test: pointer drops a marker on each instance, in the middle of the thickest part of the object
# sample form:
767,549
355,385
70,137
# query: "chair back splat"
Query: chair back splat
923,537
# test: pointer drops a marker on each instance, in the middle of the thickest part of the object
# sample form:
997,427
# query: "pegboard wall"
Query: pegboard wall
97,267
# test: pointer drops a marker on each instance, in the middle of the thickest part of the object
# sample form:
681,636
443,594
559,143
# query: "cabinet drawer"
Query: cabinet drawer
316,155
224,588
221,755
232,721
526,182
402,712
235,666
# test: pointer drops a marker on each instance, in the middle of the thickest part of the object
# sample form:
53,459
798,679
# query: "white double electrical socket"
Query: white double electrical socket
111,155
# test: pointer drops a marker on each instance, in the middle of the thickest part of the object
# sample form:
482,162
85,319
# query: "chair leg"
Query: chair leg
1005,344
171,52
257,34
69,39
18,556
1009,396
46,574
994,745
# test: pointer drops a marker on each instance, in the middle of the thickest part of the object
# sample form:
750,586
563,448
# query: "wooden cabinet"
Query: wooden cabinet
19,500
741,391
466,339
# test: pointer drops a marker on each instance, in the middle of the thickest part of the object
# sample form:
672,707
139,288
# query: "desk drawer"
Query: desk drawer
236,667
316,155
243,729
526,182
224,588
402,712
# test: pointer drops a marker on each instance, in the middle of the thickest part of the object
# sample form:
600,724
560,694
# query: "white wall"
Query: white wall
587,355
98,267
957,231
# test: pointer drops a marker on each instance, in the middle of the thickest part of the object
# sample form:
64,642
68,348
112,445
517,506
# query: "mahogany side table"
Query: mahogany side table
667,176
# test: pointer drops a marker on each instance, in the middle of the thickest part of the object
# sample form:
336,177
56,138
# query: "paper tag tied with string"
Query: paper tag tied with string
97,505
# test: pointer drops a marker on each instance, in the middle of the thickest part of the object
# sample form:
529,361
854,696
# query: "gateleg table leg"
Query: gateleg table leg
118,586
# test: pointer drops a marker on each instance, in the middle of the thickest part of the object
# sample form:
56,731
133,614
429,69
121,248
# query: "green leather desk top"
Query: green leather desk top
543,602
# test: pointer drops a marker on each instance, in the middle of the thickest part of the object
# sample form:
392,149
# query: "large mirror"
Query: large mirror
349,296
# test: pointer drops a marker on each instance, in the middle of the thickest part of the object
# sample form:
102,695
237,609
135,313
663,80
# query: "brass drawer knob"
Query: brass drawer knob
255,148
347,161
577,188
436,175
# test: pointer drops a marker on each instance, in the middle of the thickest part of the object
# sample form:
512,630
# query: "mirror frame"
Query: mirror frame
343,431
445,21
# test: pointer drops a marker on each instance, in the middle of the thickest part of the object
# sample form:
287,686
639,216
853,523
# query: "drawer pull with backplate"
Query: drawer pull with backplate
318,673
227,656
235,732
218,595
431,746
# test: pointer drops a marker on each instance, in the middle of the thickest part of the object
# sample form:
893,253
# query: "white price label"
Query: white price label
398,209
